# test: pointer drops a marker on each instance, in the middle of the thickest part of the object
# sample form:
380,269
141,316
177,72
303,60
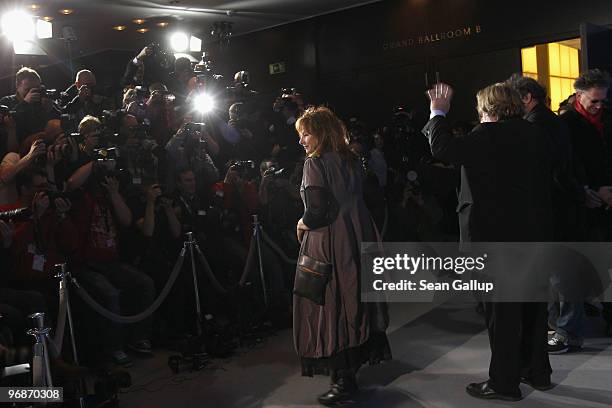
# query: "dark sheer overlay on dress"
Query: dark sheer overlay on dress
317,199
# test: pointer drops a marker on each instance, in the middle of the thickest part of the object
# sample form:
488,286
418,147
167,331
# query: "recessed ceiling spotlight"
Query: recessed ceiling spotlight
119,28
142,30
66,12
163,24
34,7
139,21
47,18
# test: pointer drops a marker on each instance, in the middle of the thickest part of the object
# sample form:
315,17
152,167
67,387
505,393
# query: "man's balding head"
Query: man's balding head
85,77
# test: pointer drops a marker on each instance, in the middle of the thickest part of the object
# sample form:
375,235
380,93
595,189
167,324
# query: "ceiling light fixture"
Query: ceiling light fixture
139,21
179,42
47,18
163,24
66,12
34,7
119,28
18,26
142,30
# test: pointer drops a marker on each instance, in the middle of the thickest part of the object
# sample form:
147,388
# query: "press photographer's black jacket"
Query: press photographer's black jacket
29,118
506,179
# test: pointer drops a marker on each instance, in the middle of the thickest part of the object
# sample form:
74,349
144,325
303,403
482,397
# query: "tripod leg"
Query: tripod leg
257,232
196,289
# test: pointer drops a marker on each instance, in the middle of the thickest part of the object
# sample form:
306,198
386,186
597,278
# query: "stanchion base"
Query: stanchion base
194,362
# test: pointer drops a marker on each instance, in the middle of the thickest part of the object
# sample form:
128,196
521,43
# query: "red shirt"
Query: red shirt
38,246
97,229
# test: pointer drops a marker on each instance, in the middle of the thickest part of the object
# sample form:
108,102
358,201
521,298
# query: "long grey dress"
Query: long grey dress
344,333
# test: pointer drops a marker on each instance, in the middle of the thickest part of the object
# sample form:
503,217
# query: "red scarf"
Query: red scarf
594,120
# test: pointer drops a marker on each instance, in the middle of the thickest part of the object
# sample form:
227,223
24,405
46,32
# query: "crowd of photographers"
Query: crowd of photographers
111,184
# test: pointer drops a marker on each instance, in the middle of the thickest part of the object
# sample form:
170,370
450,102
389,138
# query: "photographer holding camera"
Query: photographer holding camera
286,148
237,196
241,140
44,240
180,80
99,213
191,147
10,167
31,104
86,101
160,111
152,64
281,204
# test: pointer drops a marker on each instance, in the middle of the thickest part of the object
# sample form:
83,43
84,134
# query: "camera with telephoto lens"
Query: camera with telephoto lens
19,214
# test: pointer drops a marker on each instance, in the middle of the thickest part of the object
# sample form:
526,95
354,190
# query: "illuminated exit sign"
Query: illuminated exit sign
277,68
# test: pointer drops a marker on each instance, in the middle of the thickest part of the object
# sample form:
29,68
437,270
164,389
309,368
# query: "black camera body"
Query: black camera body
5,111
109,133
193,127
274,172
69,122
48,92
244,165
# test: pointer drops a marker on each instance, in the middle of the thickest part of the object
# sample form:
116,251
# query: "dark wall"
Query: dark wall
366,60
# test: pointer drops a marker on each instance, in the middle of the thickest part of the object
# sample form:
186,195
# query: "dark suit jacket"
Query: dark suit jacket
567,192
592,153
592,158
507,171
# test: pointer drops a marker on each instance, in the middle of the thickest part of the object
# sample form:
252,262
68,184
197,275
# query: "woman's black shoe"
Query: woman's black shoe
483,391
341,391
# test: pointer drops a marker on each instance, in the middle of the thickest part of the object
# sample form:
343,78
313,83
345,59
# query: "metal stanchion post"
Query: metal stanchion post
257,237
65,277
41,369
190,243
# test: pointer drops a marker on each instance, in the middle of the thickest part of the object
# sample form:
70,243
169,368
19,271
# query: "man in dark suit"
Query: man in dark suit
564,315
590,126
507,172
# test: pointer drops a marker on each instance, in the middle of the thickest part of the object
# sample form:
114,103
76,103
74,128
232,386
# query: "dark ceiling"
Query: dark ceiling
93,20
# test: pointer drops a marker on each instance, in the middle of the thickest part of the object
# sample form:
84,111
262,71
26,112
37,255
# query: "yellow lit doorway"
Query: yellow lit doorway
555,65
